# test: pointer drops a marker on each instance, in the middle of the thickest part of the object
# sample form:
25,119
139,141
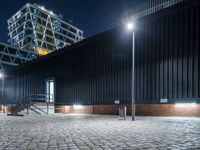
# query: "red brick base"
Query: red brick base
146,110
5,108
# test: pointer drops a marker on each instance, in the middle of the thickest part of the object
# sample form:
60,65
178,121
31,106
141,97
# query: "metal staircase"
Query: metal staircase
36,103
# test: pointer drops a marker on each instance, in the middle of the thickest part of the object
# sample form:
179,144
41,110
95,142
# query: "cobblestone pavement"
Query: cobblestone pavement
98,132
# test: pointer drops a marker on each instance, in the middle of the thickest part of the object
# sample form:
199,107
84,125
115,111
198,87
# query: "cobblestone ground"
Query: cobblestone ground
98,132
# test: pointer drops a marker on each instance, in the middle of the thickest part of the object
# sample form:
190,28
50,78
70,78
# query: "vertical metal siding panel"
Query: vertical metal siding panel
196,49
114,74
65,84
75,91
198,41
149,65
170,58
123,77
136,70
127,73
140,61
161,59
119,64
165,57
81,74
180,56
191,55
145,65
105,65
153,61
138,56
95,75
70,82
184,31
157,60
175,56
139,37
23,86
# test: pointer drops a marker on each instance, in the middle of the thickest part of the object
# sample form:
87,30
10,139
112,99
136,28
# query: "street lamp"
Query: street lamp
1,75
2,90
130,27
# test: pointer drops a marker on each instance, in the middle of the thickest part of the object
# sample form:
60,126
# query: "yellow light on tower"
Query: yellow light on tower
42,51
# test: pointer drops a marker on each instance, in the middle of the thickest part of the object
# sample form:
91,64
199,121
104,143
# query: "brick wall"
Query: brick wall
146,110
71,109
5,108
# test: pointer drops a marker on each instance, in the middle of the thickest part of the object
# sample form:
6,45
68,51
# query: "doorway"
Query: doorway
50,91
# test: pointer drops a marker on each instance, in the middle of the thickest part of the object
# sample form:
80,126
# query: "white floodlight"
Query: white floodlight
77,106
185,104
130,25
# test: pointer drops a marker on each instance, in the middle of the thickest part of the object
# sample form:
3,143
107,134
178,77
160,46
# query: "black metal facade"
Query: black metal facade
168,56
98,70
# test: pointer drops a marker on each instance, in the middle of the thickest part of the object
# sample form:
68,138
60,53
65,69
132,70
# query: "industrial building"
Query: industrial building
38,29
98,71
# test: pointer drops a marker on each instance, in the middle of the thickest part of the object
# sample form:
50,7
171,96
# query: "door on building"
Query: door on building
50,90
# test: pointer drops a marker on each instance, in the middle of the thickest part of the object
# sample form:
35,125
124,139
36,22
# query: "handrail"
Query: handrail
26,101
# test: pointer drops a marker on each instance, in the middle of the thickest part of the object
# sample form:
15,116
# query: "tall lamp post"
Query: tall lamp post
130,26
2,89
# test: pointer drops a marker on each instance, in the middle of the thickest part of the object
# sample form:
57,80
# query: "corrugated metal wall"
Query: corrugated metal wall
96,73
99,71
168,57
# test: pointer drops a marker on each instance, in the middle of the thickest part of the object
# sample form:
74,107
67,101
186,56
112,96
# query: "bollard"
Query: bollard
133,110
122,113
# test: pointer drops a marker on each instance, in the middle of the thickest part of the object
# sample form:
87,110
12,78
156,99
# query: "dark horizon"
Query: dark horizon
90,16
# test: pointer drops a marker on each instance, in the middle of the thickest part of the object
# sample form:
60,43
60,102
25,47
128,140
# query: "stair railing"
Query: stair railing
26,102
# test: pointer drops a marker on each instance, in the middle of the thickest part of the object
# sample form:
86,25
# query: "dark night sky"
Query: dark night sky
92,16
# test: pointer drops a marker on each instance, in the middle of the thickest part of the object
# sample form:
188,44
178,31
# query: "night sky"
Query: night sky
92,16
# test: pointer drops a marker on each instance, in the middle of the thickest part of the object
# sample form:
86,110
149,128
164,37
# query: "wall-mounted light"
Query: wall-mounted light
77,106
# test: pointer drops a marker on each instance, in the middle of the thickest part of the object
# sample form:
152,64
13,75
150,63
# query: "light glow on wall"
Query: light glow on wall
77,106
1,75
185,104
